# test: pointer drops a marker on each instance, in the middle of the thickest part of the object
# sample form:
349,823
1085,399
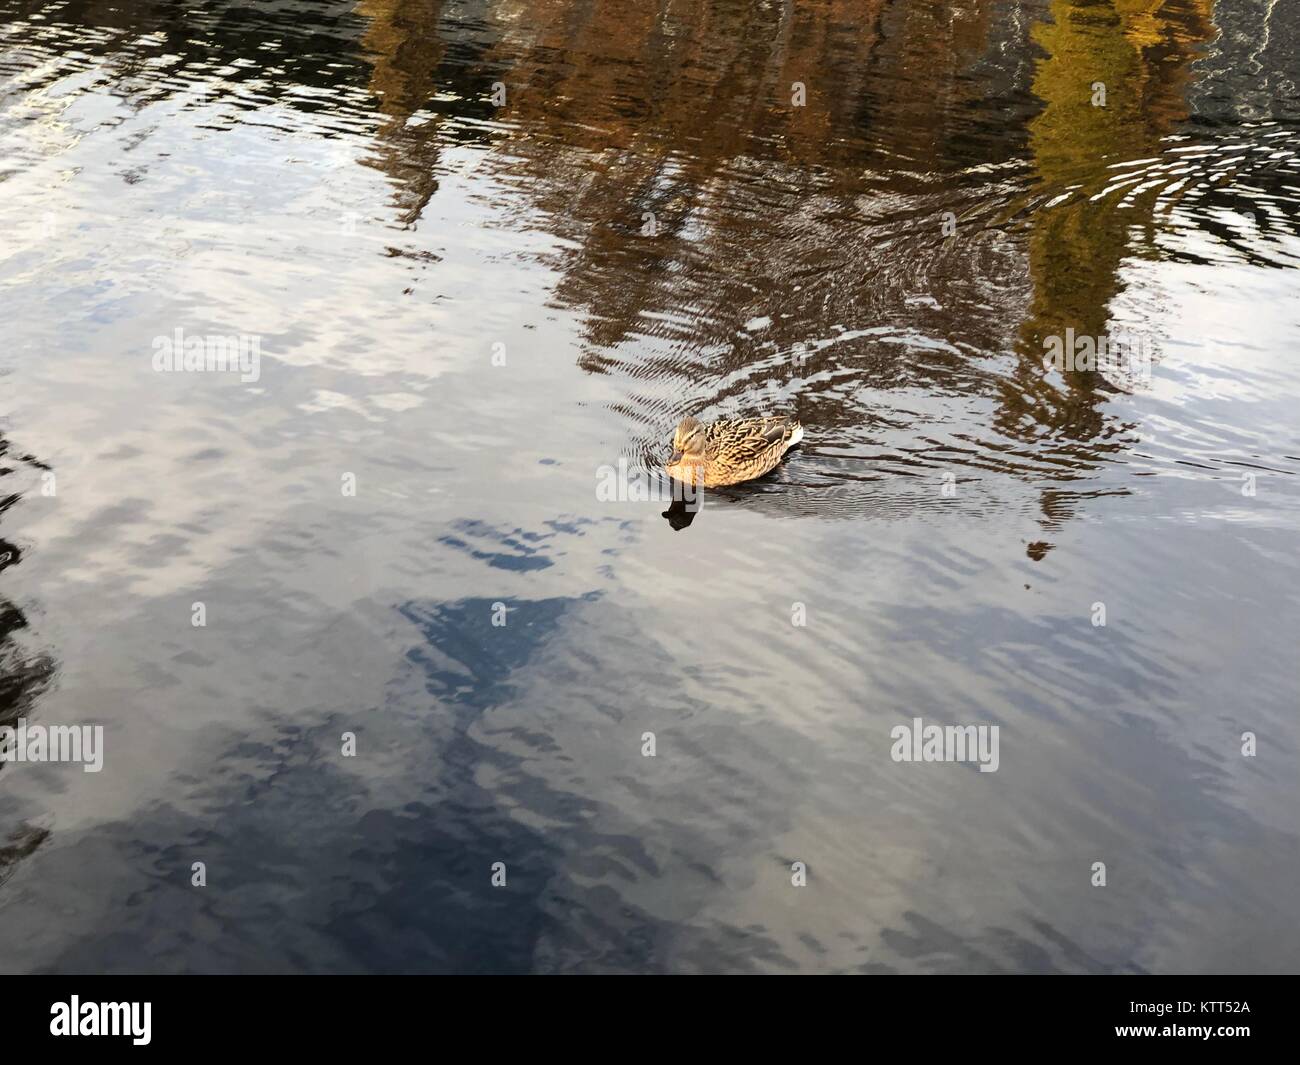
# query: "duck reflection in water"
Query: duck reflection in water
681,511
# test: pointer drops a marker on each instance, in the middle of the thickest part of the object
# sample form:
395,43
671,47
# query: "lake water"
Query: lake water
479,253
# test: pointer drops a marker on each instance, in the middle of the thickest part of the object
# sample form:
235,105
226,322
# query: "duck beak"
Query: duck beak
677,457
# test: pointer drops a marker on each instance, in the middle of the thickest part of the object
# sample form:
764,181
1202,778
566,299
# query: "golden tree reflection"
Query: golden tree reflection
821,219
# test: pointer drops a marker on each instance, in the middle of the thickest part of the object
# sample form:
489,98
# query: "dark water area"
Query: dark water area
873,215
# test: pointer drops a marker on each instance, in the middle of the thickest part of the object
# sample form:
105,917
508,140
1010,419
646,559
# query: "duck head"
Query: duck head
688,443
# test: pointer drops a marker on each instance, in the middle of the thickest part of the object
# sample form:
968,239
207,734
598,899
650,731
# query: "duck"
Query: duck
729,452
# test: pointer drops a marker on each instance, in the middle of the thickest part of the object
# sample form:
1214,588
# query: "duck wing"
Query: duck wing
747,439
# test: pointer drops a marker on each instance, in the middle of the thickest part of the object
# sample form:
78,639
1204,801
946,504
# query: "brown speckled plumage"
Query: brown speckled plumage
732,451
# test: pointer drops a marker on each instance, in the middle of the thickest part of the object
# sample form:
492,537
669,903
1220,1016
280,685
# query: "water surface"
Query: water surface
461,312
